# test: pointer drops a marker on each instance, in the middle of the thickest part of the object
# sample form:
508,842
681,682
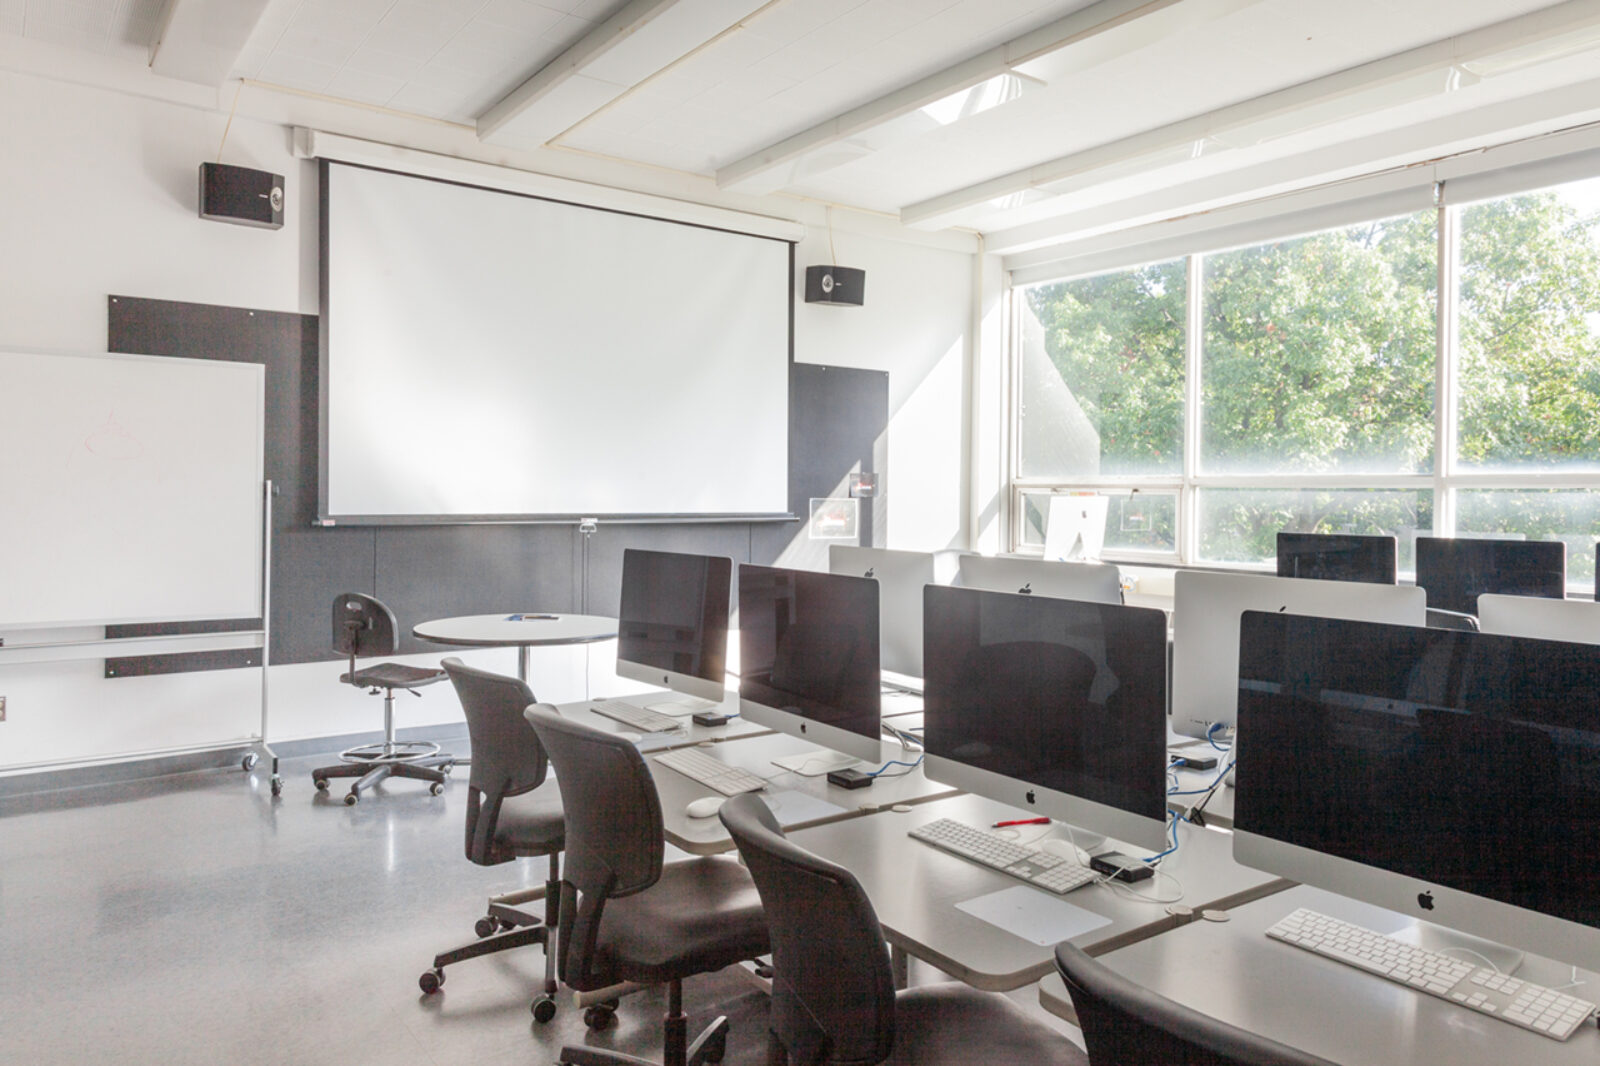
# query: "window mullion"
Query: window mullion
1446,399
1188,497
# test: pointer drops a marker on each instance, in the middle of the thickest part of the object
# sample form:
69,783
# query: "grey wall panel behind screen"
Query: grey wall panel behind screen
444,571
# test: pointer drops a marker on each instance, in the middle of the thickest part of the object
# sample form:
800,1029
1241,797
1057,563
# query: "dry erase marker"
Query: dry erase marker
531,618
1022,821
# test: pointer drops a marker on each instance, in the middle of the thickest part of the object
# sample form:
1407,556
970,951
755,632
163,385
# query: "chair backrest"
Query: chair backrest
1126,1024
363,626
507,758
832,990
614,837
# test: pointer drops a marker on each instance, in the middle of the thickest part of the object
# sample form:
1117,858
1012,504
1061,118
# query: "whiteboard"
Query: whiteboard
488,354
131,489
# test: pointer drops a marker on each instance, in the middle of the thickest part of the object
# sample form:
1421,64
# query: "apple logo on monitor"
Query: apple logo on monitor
1026,590
1425,900
1030,796
870,571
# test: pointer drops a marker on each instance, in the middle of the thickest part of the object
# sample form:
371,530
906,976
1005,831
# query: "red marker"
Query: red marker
1022,821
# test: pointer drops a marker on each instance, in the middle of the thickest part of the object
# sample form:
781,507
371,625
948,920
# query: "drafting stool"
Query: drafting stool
363,626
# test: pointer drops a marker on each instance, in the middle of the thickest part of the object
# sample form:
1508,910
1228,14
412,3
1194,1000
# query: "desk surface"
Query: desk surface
915,887
690,733
500,631
789,792
1232,971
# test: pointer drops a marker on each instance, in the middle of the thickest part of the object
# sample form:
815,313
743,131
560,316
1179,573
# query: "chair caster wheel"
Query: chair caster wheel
486,927
447,767
277,785
599,1017
321,783
437,788
544,1008
430,981
249,761
350,799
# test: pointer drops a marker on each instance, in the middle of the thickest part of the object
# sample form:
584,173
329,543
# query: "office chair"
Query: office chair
1125,1024
363,626
624,916
1439,618
512,813
833,998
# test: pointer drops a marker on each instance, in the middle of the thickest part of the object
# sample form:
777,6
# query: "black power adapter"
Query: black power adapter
1120,867
849,778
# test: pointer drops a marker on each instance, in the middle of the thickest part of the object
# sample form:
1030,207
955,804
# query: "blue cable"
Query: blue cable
1172,830
896,762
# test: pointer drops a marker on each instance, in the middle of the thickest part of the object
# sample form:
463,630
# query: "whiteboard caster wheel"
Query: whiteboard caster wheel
249,761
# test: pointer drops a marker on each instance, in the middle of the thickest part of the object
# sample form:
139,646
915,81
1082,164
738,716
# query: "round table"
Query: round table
521,630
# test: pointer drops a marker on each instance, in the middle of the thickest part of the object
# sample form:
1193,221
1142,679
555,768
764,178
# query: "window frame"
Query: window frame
1445,481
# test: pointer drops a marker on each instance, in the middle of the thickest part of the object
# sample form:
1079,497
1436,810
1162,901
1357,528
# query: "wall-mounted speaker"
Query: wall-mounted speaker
241,195
845,286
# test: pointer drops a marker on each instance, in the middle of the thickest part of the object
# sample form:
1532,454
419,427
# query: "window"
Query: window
1222,397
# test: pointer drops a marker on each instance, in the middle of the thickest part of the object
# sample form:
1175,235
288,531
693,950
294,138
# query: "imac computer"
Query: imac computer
672,626
1095,582
808,649
1534,616
900,576
1050,705
1205,630
1338,557
1455,571
1444,774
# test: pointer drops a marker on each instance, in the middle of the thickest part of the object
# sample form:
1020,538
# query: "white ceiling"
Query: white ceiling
821,98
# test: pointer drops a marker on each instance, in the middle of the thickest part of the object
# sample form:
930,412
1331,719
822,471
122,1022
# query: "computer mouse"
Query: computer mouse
1065,849
704,807
631,738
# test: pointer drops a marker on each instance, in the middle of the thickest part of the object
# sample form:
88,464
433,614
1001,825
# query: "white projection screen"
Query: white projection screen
488,355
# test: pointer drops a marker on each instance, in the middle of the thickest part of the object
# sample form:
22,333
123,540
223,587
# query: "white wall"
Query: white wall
100,198
916,324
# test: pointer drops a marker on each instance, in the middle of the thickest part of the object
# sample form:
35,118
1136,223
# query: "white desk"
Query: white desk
706,836
501,631
915,887
691,733
1233,972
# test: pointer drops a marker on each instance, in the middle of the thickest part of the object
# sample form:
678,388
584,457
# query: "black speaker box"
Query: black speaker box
241,195
846,286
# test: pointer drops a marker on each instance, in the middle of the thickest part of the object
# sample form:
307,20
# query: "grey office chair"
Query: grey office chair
623,914
1125,1024
363,626
513,812
833,999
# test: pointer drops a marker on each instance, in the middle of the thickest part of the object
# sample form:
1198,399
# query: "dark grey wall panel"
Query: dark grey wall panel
309,568
836,416
442,571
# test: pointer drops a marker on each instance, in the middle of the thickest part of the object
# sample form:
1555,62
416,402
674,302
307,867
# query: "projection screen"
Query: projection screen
488,355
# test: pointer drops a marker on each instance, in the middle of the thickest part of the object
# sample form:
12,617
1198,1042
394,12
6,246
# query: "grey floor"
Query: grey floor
195,919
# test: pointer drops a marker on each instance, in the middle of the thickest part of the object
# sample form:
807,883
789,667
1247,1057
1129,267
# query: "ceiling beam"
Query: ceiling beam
591,46
200,40
1121,26
1525,31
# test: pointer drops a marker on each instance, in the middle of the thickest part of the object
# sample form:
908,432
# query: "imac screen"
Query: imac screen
1066,695
674,613
808,645
1337,557
1469,761
1456,571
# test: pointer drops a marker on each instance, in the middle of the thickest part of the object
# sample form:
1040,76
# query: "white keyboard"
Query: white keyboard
712,773
1047,871
1480,988
682,706
634,717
